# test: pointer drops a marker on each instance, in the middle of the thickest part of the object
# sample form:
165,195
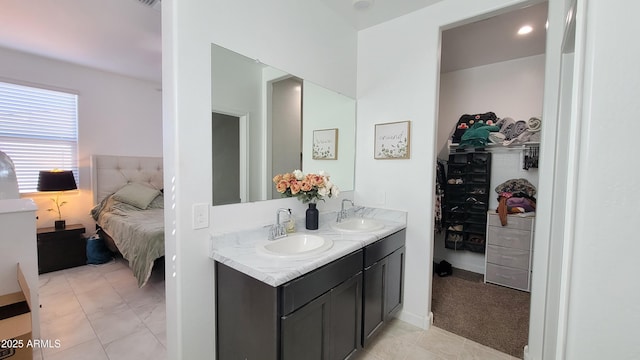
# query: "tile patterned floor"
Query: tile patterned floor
402,341
99,313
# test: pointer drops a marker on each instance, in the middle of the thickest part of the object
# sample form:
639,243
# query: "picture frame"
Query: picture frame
392,140
325,144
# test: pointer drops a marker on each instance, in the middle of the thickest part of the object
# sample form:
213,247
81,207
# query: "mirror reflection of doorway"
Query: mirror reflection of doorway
286,127
226,135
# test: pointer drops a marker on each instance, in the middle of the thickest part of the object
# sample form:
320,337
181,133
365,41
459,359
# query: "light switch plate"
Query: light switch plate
200,216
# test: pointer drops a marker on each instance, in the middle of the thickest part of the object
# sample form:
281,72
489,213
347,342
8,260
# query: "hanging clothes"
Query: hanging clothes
439,193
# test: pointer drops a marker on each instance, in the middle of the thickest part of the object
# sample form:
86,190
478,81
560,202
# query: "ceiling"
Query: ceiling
378,12
124,37
494,39
120,36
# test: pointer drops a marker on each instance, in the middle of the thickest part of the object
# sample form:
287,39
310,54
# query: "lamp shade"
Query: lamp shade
56,180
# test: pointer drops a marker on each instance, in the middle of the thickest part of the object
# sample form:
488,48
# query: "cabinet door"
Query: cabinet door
373,299
382,292
346,323
394,277
246,320
304,331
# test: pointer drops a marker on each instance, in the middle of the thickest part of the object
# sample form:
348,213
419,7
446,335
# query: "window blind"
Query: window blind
39,131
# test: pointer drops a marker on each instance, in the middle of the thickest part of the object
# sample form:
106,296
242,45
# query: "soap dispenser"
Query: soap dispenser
290,225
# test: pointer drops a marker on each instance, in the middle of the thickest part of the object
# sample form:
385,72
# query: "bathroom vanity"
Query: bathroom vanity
323,306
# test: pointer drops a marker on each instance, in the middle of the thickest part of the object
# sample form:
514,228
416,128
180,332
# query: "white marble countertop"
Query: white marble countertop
238,250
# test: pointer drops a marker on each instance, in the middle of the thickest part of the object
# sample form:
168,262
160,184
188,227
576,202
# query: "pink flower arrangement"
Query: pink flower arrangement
307,188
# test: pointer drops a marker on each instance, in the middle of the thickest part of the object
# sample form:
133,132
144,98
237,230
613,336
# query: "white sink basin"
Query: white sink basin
296,245
356,225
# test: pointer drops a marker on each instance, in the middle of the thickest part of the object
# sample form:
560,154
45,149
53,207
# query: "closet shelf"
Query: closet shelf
454,147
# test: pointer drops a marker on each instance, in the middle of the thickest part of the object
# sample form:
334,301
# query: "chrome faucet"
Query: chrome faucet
343,213
278,230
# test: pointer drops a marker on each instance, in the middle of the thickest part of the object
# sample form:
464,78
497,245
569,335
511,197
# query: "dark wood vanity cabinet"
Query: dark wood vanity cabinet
316,316
326,314
326,328
383,282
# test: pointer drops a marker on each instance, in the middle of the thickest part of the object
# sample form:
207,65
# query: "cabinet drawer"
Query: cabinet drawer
501,275
383,247
513,221
507,237
300,291
514,258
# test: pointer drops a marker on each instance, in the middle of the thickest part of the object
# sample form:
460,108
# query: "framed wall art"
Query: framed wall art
325,144
392,140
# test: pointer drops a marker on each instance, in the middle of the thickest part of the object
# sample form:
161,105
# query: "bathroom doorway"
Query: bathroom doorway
285,126
229,158
507,78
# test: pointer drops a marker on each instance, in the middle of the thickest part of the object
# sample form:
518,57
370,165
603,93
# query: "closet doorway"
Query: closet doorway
486,66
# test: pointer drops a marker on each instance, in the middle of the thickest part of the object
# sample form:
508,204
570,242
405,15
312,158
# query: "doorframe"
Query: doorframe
267,153
547,333
245,172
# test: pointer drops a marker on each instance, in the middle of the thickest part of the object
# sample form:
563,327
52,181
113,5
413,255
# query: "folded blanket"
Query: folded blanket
511,128
534,124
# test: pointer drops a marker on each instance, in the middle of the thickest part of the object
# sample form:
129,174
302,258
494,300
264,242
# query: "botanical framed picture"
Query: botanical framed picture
393,140
325,144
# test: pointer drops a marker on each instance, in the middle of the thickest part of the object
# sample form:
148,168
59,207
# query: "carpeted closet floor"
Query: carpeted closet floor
491,315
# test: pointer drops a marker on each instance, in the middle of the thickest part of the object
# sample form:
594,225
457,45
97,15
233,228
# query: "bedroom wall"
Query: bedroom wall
117,115
291,35
516,91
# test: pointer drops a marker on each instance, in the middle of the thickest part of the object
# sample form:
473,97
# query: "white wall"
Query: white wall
324,109
398,80
117,115
302,38
603,309
511,88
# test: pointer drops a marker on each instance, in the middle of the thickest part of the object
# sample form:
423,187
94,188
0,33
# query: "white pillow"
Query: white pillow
136,194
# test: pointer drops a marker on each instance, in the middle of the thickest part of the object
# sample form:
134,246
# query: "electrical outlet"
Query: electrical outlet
200,216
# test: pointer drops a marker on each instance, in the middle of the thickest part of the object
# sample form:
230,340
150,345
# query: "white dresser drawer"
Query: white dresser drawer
510,257
506,276
513,221
507,237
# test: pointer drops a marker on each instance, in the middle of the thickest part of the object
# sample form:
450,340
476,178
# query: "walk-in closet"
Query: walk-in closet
490,106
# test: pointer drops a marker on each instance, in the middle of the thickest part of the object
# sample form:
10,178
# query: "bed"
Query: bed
128,208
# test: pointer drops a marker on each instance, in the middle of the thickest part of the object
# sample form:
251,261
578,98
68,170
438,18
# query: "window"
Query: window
39,131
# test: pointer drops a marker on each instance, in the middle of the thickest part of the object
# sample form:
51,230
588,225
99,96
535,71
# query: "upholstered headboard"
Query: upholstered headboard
109,173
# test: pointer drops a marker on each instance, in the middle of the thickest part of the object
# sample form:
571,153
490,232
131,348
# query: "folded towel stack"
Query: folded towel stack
534,124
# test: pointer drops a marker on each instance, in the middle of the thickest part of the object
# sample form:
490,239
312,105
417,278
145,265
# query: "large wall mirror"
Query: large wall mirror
266,121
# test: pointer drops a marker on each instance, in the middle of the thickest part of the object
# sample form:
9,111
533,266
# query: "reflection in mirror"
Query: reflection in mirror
263,124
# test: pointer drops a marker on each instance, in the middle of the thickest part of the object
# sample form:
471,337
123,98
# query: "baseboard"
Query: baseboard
423,322
526,353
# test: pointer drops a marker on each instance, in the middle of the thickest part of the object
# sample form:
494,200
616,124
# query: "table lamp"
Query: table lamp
57,180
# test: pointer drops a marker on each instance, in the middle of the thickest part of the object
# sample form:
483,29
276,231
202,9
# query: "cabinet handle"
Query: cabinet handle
506,277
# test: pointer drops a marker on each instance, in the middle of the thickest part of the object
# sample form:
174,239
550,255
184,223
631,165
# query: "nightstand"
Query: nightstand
61,249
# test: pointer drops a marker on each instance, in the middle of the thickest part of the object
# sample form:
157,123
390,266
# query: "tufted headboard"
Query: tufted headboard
109,173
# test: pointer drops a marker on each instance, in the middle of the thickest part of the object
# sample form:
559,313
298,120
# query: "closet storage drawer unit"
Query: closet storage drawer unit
509,251
506,276
466,200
